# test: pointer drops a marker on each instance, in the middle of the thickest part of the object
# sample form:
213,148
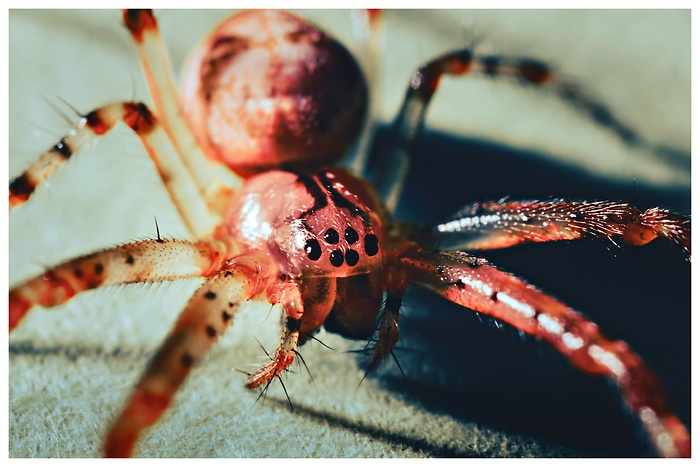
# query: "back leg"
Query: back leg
214,181
389,165
176,177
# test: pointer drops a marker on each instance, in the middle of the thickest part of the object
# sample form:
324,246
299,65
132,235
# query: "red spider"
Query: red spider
318,240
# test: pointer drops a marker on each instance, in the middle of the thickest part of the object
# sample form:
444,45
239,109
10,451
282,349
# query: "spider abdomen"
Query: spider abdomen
266,89
325,224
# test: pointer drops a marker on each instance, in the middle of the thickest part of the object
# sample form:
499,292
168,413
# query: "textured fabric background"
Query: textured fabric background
470,388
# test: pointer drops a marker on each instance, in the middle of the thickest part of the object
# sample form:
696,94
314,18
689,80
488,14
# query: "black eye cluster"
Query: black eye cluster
332,237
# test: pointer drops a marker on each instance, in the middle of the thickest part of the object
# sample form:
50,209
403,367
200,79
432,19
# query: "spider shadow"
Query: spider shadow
487,372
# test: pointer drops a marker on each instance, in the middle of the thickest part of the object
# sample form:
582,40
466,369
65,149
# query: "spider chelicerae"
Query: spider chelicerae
471,178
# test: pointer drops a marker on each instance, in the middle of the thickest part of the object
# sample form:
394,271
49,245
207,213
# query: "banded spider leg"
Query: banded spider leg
231,278
502,224
470,171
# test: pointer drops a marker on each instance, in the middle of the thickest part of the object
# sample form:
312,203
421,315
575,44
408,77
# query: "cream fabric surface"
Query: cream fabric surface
71,369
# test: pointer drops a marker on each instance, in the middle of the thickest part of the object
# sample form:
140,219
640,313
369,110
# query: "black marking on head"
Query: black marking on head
337,258
341,201
352,257
21,185
351,235
211,332
331,236
313,249
210,295
186,360
316,193
371,245
130,259
99,268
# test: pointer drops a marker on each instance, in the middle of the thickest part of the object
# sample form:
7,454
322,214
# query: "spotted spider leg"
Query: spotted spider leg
215,182
472,283
176,178
389,166
146,261
208,314
492,225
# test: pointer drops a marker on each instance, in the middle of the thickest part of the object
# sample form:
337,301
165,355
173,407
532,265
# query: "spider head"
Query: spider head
326,224
266,89
336,233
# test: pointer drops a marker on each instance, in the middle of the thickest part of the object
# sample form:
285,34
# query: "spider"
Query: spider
161,222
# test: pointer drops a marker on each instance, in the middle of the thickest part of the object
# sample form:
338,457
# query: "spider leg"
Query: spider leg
145,261
207,315
367,29
389,167
306,305
474,284
213,180
139,118
492,225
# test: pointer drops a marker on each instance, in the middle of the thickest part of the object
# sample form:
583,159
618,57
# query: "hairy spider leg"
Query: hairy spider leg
306,305
501,224
208,314
473,283
214,181
177,180
389,167
146,261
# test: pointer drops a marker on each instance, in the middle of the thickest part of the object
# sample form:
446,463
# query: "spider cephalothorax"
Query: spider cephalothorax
269,102
322,224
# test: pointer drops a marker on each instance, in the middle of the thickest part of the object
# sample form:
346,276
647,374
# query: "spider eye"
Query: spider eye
352,257
337,258
371,245
313,249
331,236
351,235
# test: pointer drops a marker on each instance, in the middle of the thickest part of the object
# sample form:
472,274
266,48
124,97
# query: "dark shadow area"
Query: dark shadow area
485,372
338,421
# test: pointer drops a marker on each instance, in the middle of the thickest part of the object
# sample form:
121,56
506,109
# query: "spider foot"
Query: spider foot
279,363
143,410
283,357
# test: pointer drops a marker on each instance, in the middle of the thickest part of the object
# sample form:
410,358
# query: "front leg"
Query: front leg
205,318
289,295
474,284
502,224
146,261
307,304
